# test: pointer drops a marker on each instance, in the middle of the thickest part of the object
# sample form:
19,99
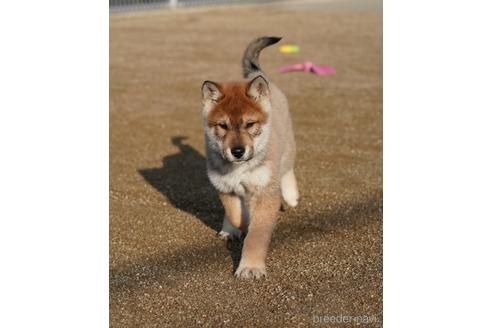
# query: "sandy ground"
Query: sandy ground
167,267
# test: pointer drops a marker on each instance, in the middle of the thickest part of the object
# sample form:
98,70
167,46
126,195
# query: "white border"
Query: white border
437,163
54,164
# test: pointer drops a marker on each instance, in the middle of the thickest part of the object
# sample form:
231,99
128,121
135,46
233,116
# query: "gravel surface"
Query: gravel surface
167,267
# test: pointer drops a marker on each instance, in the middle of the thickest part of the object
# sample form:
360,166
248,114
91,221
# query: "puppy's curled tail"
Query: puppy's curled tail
250,57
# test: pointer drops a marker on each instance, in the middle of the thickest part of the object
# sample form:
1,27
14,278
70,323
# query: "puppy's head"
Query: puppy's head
236,118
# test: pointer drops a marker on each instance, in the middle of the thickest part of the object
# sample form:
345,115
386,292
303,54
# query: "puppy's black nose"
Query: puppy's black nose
238,152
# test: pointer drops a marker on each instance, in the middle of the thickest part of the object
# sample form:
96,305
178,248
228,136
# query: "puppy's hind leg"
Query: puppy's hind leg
288,185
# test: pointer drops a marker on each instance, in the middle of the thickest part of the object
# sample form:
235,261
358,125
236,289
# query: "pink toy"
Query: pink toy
308,67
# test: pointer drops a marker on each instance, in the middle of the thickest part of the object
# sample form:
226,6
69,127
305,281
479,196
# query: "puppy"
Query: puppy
250,156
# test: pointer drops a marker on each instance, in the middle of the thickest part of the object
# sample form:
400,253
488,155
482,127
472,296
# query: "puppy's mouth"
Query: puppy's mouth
241,160
232,159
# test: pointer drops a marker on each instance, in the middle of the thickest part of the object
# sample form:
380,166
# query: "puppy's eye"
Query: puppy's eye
250,124
222,126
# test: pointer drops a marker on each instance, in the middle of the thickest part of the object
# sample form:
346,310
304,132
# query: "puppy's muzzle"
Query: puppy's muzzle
238,151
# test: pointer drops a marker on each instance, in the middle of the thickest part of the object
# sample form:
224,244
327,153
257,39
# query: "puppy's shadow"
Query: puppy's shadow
183,180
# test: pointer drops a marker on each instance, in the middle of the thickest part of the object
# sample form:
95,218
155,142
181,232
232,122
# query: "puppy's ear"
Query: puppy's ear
258,88
211,91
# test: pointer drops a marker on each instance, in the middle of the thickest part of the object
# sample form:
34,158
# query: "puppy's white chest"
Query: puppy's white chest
257,178
242,180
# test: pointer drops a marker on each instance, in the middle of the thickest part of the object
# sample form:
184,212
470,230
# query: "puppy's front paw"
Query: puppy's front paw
250,272
229,236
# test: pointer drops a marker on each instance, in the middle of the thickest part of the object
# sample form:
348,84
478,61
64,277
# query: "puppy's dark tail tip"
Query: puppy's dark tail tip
273,39
252,53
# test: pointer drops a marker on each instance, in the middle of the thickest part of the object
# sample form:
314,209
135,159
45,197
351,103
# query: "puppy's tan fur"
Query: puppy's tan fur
251,117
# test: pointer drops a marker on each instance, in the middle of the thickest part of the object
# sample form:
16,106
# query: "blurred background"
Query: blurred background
167,267
118,6
134,5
